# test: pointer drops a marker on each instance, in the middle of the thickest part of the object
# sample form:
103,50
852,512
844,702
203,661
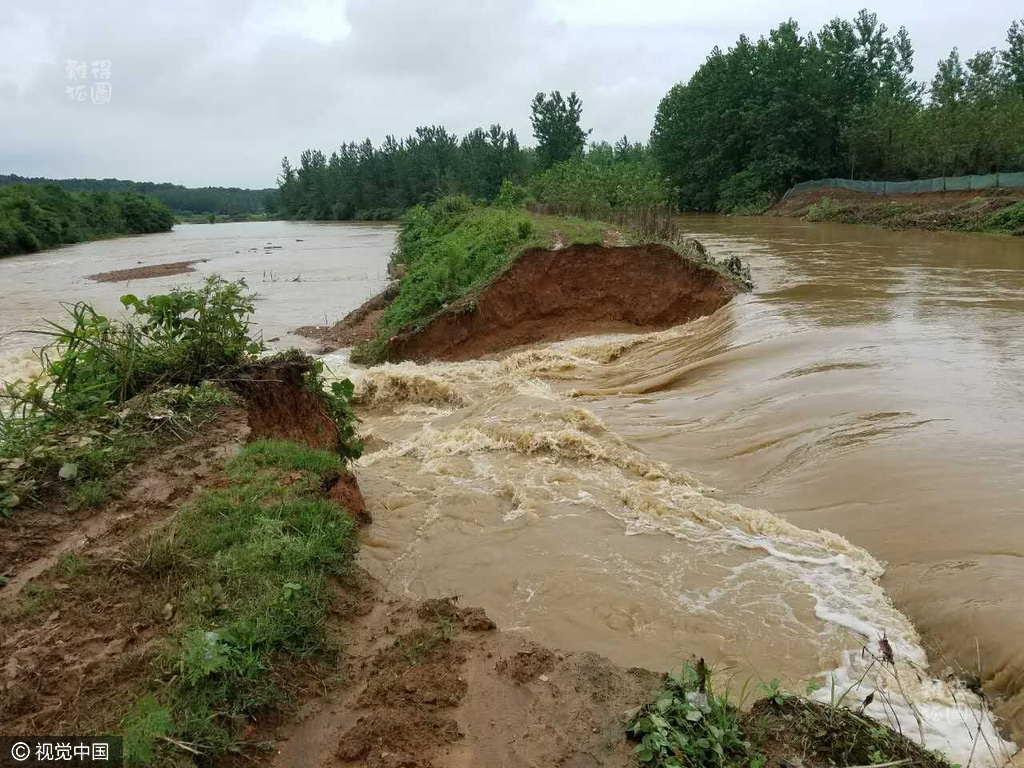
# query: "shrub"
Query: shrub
182,337
688,724
825,209
1009,219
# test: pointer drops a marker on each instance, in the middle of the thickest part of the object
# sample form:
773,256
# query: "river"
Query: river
730,488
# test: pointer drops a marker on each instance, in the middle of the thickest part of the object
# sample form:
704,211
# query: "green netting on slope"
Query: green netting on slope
940,184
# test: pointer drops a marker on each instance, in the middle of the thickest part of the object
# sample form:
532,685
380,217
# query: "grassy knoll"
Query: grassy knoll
111,388
33,218
455,248
231,598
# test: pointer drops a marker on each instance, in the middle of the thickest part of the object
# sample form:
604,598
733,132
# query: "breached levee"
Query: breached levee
547,295
493,479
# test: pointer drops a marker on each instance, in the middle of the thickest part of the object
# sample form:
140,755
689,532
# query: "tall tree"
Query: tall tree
556,126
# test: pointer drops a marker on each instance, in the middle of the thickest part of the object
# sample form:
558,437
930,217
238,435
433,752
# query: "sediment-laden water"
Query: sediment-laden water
772,487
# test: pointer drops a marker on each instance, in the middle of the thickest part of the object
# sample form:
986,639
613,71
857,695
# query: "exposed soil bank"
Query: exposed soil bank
358,326
140,273
577,290
280,405
965,211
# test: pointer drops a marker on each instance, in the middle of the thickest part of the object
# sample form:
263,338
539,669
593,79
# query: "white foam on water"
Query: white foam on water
486,409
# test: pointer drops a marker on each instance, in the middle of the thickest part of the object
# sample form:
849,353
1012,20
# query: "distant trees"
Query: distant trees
34,217
763,115
225,201
556,126
361,181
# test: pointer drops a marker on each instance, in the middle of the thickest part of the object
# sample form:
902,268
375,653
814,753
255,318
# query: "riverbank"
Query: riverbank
475,280
34,218
996,211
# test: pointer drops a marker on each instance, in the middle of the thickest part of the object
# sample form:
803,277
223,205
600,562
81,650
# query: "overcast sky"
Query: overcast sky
215,92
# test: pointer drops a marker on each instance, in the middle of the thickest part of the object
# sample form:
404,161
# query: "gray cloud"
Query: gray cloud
216,91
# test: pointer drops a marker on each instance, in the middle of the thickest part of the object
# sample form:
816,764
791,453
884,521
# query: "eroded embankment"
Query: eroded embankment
990,210
548,295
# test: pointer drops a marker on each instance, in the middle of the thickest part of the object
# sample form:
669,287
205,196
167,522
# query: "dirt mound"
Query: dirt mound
525,665
279,404
579,289
356,327
140,273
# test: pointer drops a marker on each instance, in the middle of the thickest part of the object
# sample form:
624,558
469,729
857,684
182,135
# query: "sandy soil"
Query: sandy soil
141,273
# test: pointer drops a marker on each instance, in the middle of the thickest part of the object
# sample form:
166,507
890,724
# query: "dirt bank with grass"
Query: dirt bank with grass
996,210
577,290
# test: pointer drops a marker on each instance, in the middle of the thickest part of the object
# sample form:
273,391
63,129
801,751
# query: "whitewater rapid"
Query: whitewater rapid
500,447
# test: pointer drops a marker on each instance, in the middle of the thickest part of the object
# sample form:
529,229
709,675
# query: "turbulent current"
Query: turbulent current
830,461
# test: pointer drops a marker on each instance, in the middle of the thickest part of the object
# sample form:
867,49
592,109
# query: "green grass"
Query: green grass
253,560
688,724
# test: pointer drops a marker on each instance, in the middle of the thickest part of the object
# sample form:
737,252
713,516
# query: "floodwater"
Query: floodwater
835,457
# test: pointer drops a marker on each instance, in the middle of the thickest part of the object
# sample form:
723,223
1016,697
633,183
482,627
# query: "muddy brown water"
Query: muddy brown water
730,488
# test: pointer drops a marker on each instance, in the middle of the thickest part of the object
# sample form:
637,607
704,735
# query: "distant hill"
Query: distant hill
226,201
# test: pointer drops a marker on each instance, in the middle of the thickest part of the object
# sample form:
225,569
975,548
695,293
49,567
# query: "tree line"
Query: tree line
761,116
36,217
225,201
750,123
364,181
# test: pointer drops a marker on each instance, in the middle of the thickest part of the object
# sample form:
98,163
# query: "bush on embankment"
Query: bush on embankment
110,387
33,218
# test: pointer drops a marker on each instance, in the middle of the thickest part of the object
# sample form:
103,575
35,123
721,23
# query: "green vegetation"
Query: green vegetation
556,126
33,218
223,201
980,214
109,388
687,724
454,248
366,182
763,115
252,563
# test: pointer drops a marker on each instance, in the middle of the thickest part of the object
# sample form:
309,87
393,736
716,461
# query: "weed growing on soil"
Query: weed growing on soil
108,387
688,724
253,561
1010,219
79,454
